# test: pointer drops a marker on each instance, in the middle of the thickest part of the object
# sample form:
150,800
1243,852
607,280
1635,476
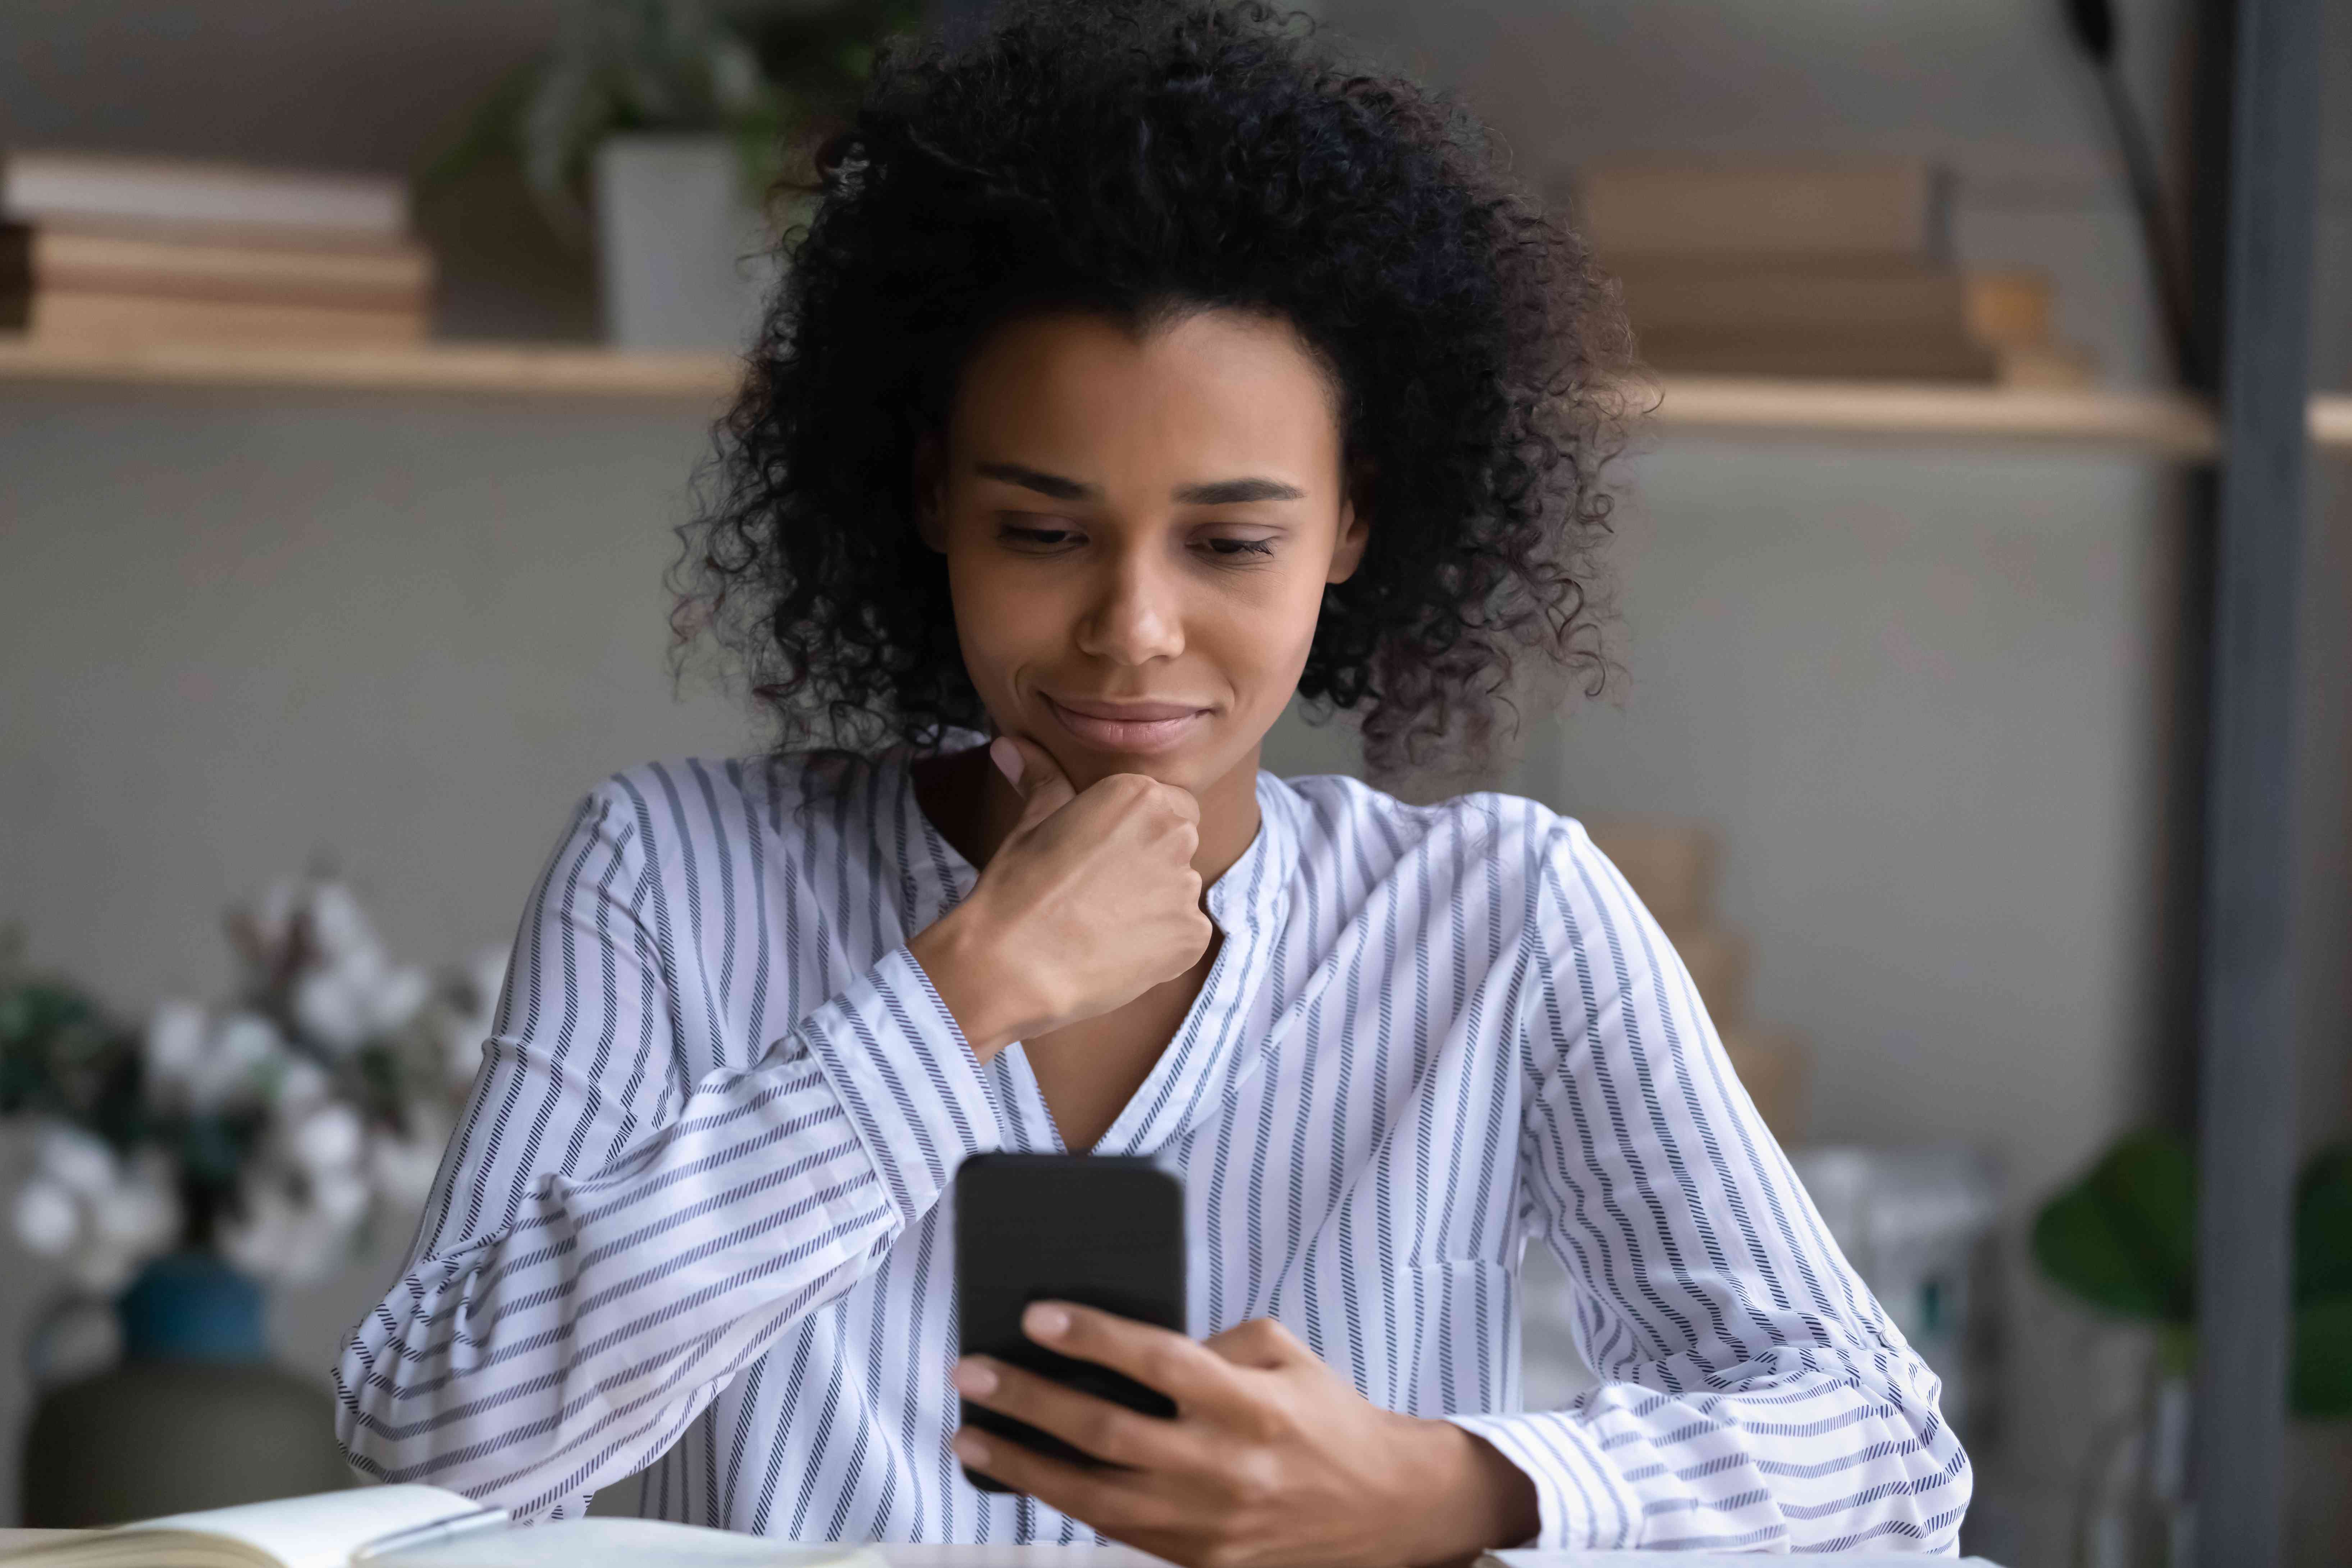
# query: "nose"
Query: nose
1134,612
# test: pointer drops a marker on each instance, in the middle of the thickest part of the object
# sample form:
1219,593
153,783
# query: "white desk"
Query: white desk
904,1556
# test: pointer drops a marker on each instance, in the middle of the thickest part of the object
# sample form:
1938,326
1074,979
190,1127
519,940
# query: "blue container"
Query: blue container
190,1306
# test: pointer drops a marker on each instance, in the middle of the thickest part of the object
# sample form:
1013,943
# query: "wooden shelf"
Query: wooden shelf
529,369
1890,413
1909,412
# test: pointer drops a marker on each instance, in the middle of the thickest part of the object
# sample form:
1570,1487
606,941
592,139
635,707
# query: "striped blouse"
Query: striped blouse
695,1220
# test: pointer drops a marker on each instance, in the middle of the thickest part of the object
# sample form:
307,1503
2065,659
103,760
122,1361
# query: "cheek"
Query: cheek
1262,635
1004,618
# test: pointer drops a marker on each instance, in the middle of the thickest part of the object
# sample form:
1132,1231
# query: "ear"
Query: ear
930,492
1347,550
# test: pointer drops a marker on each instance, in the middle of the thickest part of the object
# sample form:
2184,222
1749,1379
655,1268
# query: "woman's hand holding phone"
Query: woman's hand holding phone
1271,1457
1090,901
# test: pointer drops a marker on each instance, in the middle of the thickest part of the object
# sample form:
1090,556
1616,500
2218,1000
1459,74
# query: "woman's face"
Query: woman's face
1138,533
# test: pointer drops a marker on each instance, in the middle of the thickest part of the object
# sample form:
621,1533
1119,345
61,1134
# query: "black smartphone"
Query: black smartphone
1105,1231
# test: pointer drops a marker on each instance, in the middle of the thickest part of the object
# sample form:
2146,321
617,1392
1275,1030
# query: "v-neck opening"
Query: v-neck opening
1245,903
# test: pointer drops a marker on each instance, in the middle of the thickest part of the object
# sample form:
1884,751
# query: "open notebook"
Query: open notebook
414,1527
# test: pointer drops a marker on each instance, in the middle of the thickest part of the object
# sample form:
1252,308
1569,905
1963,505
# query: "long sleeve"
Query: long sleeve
1754,1394
612,1238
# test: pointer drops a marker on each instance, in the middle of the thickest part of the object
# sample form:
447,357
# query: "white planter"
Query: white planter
682,261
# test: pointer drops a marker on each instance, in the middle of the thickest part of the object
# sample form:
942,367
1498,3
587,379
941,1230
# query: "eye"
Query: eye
1038,533
1239,549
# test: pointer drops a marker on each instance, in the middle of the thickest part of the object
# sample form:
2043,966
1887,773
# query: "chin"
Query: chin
1193,768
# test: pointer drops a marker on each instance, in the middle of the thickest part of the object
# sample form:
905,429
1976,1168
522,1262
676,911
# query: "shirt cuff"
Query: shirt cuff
1584,1504
898,1062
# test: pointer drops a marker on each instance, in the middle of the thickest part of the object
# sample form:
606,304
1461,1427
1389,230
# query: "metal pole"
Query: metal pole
2246,1068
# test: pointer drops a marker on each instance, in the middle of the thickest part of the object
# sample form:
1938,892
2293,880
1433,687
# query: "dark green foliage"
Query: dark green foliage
2123,1236
770,80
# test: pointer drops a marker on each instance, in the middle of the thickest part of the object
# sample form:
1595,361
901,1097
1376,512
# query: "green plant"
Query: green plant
2123,1238
774,79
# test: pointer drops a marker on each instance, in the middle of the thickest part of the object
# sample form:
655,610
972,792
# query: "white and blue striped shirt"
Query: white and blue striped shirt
696,1211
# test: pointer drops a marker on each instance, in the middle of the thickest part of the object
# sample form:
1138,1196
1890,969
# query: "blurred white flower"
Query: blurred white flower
332,1138
340,927
404,1168
48,1221
301,1084
345,1006
402,991
255,1238
141,1212
341,1197
101,1215
247,1052
195,1065
331,1009
475,1017
319,986
178,1034
77,1161
275,1236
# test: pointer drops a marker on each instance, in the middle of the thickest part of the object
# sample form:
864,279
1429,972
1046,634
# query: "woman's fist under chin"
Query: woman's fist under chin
1090,901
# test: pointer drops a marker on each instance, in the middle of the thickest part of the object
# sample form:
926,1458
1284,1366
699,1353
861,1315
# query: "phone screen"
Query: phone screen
1103,1231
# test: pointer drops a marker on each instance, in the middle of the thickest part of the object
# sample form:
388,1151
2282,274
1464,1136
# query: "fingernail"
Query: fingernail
970,1448
1007,758
974,1378
1045,1322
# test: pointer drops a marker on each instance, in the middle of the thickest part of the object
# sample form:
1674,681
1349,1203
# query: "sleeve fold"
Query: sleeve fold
1753,1394
607,1246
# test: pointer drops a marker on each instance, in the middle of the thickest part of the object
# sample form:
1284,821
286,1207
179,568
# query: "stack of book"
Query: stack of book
104,251
1838,270
1671,865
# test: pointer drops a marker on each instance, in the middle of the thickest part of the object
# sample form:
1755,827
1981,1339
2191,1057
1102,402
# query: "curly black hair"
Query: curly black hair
1140,157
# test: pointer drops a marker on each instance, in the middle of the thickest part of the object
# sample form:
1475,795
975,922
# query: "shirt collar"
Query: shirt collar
1209,1054
1249,904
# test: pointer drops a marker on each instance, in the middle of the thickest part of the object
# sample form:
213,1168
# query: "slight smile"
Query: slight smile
1134,729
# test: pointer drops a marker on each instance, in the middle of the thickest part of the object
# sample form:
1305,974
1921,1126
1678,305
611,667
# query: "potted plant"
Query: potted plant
177,1169
684,138
2122,1238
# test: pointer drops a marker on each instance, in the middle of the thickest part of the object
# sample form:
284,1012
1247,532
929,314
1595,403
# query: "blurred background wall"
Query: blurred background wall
1926,695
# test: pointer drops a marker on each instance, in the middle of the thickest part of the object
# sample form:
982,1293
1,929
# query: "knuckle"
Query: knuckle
1107,1435
1267,1333
1160,1367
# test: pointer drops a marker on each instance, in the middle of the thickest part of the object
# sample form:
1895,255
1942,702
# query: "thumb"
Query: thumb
1031,769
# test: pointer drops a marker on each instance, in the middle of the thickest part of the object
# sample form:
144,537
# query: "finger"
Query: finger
1111,1501
1108,1432
1188,1374
1031,770
1262,1343
1182,802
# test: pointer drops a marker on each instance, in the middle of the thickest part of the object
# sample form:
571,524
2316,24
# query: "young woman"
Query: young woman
1138,372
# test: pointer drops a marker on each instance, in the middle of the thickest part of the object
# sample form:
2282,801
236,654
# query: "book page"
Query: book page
597,1542
325,1530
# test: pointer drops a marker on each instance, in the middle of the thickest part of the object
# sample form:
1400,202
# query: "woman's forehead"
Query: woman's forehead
1216,387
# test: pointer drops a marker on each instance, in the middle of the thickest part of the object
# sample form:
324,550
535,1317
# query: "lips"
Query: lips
1133,728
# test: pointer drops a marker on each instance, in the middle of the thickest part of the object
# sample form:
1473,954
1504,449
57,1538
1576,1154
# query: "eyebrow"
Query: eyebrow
1219,493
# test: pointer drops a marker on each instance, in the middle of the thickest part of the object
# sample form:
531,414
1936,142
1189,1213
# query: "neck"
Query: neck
1229,814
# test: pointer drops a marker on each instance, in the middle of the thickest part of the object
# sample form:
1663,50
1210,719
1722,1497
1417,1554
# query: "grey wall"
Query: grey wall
240,632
